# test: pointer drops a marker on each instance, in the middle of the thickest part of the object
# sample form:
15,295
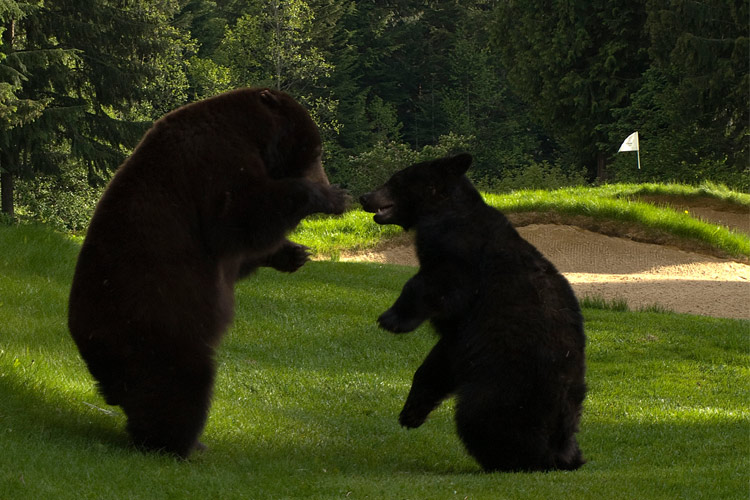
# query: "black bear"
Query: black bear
511,340
206,197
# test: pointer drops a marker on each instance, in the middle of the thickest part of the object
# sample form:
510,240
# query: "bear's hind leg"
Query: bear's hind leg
568,455
168,409
499,438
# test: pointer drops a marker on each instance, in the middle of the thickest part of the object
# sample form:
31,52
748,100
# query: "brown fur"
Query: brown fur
207,196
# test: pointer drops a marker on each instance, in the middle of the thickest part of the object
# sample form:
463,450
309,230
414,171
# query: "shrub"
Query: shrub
542,175
372,168
65,202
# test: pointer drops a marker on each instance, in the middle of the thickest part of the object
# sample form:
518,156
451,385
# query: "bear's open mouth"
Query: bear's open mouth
384,209
383,213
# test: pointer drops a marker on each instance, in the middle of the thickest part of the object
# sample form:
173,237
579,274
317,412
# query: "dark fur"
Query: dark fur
207,196
511,344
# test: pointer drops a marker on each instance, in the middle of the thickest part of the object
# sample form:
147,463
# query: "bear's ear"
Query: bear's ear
459,164
269,98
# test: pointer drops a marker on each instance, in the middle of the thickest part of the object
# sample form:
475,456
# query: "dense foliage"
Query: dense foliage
519,83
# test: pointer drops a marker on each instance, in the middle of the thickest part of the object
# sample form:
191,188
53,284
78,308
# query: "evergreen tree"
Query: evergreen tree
103,70
572,62
206,23
361,84
15,111
695,106
478,104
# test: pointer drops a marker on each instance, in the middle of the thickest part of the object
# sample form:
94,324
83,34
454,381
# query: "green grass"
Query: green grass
585,202
598,302
309,390
718,192
331,236
611,204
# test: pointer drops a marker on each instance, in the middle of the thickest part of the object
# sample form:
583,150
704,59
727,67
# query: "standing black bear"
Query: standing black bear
511,344
207,196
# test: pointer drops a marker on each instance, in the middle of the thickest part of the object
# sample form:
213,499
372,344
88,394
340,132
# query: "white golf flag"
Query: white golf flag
630,144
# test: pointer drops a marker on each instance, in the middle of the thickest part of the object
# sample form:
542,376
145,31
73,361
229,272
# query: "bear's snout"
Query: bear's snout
364,200
380,203
375,200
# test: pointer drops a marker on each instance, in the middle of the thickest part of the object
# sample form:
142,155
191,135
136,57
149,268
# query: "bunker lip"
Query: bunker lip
615,268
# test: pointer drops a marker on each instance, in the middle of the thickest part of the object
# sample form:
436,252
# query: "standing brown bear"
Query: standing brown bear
207,196
511,344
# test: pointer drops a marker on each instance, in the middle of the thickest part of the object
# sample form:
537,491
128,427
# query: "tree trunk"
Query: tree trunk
601,168
278,33
9,34
6,193
6,178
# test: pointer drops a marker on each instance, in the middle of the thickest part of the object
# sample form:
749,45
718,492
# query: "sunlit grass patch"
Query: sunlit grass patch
309,389
718,192
588,202
330,236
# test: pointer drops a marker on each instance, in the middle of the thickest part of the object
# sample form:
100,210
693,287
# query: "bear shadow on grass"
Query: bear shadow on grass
86,425
66,420
613,448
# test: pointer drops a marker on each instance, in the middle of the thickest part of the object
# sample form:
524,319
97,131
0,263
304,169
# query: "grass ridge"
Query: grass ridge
356,231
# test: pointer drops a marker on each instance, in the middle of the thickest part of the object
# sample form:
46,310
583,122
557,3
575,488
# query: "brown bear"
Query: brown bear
207,196
511,340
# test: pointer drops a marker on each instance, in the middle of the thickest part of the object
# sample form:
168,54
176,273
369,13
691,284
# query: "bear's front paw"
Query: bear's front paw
289,258
338,200
411,418
391,321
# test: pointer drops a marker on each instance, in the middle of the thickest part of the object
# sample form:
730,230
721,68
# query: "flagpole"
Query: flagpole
632,143
638,151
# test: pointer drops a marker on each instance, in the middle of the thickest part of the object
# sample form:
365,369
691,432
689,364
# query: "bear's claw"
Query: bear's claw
411,419
391,322
289,258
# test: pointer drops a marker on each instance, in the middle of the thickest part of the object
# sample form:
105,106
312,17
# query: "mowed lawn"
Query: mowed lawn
309,390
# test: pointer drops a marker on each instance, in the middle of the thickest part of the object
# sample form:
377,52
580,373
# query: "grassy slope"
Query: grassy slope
614,203
309,390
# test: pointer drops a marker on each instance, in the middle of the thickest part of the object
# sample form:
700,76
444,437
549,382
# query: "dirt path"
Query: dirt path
642,274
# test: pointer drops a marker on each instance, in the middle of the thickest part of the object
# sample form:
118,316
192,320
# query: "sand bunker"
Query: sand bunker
642,274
